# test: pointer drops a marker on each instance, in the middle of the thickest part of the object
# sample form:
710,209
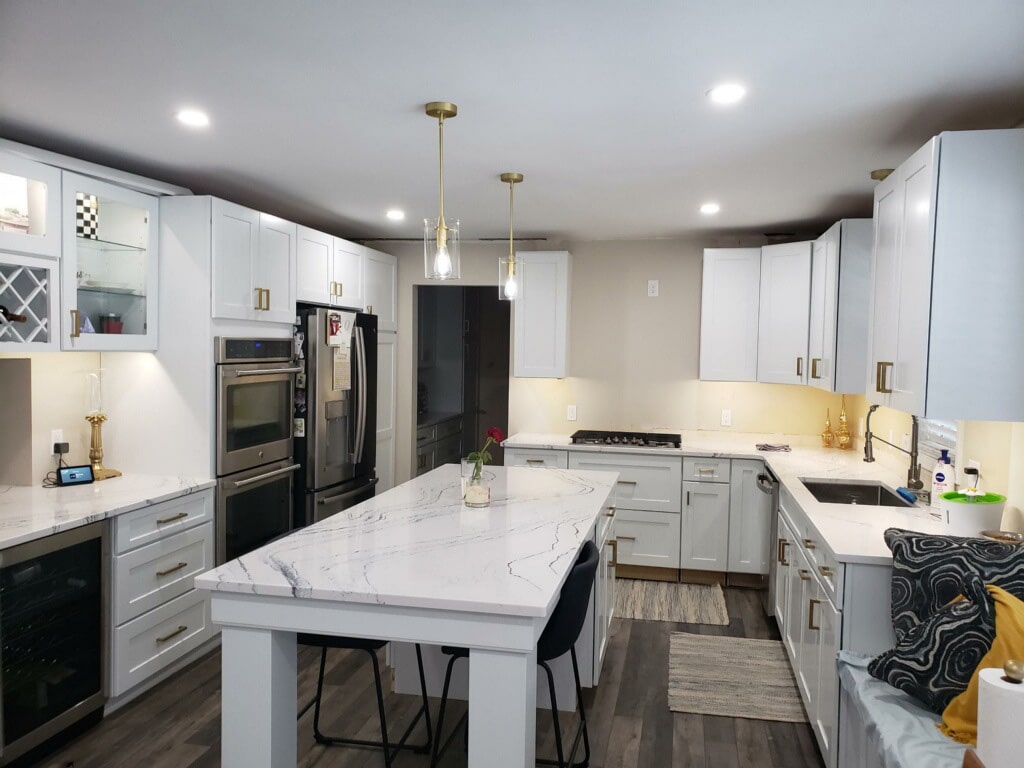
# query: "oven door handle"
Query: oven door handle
266,476
268,371
348,494
361,418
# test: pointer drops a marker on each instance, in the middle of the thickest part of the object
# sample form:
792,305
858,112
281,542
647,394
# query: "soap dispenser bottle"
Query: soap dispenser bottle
942,478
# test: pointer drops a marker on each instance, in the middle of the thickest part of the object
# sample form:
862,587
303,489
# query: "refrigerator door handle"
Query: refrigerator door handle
348,494
361,418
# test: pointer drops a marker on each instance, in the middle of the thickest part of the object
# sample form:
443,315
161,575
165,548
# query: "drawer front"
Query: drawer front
447,428
706,470
426,434
149,524
156,639
652,483
821,560
151,575
605,522
647,538
536,457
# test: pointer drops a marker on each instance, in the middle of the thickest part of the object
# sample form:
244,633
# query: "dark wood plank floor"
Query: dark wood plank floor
178,722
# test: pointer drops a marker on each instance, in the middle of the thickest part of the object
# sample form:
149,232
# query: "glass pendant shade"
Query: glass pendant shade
508,278
441,250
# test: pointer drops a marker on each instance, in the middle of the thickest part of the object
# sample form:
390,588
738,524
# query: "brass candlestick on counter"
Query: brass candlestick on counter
96,448
828,436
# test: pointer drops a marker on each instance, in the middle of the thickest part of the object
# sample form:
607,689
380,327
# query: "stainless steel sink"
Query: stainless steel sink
854,492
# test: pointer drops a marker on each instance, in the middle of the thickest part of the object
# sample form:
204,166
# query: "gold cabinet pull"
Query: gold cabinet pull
809,543
341,289
76,324
705,470
259,298
267,307
815,362
610,512
181,628
369,309
615,552
781,552
172,518
178,567
805,575
811,602
881,369
535,461
625,538
799,366
826,571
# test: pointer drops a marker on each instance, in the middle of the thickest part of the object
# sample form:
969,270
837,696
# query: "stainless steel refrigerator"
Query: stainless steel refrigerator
335,412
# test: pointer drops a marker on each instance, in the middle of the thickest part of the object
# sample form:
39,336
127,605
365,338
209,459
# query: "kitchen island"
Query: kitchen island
412,565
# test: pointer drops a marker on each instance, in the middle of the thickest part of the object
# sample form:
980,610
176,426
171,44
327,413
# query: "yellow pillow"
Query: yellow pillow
960,718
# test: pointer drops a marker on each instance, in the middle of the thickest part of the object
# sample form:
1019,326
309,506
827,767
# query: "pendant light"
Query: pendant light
508,281
440,239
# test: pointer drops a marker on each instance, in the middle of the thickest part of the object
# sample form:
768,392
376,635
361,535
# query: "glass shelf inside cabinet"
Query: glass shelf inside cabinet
107,246
24,293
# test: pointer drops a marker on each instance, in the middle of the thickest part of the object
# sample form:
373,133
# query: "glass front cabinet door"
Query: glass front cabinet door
109,266
29,207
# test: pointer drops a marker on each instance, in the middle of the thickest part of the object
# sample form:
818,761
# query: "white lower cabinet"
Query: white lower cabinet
750,519
647,538
593,640
646,482
157,615
783,552
704,542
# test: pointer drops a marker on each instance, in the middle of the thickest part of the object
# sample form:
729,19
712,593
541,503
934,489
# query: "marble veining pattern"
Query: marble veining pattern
417,546
32,512
852,532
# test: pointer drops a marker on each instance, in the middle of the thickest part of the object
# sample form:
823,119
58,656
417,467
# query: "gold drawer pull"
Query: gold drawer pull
814,367
626,482
704,470
615,552
181,628
809,543
172,518
535,461
610,512
805,575
826,571
783,543
811,602
625,538
178,567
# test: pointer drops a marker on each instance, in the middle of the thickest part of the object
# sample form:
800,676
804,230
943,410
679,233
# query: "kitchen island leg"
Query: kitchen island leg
502,709
258,698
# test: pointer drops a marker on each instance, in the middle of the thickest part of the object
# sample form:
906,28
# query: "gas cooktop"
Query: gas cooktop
632,439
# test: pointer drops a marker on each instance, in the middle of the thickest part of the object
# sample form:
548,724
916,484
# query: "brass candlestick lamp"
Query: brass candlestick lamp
96,417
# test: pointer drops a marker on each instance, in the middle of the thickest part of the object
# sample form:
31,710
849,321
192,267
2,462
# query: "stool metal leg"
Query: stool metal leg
438,749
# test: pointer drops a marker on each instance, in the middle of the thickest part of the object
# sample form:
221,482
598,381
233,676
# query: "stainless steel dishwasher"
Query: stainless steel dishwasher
769,484
53,637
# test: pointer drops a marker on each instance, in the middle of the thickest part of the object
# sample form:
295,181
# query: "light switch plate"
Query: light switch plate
652,288
570,413
726,418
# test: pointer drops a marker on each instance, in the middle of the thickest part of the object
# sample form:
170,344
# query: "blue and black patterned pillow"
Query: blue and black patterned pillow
934,660
928,571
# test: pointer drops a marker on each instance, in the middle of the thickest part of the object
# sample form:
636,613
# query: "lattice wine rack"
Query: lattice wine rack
25,290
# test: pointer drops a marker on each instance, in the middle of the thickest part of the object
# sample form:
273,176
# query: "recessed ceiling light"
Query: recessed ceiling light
193,118
710,209
395,214
727,93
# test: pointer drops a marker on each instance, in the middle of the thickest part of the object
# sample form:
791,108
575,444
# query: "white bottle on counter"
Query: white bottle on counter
942,478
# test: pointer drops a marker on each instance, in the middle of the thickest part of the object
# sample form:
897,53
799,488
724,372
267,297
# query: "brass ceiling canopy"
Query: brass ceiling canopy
439,110
511,178
881,174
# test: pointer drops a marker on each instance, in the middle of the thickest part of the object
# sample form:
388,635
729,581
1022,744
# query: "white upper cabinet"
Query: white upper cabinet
109,266
729,300
29,288
254,272
840,273
347,274
314,263
30,201
542,315
784,313
946,275
380,288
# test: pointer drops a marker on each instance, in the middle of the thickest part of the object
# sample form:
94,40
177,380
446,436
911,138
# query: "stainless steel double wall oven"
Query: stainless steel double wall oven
255,466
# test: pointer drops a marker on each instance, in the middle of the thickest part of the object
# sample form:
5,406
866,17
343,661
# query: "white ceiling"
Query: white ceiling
317,107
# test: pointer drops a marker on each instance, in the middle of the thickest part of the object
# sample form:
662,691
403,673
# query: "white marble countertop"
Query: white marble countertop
32,512
417,546
852,532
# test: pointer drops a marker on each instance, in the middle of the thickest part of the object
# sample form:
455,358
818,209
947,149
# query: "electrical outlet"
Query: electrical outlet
726,418
56,436
570,413
974,463
652,288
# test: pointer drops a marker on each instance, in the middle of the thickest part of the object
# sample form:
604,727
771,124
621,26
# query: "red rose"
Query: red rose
495,434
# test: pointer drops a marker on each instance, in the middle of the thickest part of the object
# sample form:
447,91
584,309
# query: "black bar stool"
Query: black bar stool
371,647
559,636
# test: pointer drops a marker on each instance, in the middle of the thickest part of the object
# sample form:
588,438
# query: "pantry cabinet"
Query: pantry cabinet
945,278
542,315
30,203
729,299
784,313
109,266
254,256
840,274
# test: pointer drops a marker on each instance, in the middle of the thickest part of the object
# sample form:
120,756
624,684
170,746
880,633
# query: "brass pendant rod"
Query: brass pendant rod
440,177
511,192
